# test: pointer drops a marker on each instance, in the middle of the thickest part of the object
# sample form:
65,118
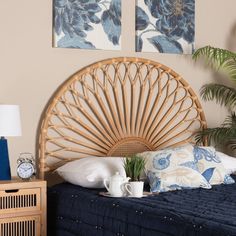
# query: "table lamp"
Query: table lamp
10,125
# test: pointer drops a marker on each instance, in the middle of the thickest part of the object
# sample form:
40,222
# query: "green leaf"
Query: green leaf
222,94
230,121
134,166
219,59
219,135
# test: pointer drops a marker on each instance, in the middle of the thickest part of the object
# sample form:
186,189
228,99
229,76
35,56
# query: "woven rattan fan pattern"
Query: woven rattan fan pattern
117,107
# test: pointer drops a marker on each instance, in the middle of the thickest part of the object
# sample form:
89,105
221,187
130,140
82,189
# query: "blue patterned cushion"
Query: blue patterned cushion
210,165
173,169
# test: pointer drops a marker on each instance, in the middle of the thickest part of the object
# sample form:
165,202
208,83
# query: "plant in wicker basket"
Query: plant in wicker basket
224,62
134,167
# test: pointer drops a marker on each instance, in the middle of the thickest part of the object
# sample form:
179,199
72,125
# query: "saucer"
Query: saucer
107,194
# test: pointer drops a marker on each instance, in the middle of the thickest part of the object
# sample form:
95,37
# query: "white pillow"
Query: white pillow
90,172
228,162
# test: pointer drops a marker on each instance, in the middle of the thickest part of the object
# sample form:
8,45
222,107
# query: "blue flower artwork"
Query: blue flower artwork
165,26
87,24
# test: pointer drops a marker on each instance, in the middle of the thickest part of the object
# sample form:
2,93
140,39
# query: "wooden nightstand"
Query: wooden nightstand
23,208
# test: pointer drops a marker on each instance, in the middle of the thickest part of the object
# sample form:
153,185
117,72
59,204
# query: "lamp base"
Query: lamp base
5,170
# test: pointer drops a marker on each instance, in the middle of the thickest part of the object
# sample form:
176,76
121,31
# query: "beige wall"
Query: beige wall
31,70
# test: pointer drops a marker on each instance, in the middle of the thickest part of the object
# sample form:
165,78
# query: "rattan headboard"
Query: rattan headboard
117,107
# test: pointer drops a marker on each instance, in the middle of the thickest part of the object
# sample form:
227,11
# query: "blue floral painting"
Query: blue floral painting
165,26
87,24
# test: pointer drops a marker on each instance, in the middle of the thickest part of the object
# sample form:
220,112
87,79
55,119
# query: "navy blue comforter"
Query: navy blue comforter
77,211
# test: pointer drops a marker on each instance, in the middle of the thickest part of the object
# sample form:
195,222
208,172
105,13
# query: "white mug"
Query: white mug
135,189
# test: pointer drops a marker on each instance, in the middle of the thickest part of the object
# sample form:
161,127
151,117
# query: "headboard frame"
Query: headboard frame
117,107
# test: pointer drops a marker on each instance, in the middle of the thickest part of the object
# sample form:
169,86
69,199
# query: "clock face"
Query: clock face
25,170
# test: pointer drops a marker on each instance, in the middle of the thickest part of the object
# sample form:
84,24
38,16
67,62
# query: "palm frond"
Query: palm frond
219,59
220,135
217,136
230,121
222,94
229,68
233,146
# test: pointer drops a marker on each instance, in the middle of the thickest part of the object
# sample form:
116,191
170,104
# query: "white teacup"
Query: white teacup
135,189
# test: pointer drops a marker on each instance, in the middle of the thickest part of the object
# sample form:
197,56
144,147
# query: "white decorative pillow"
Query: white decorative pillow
90,172
228,162
210,166
173,169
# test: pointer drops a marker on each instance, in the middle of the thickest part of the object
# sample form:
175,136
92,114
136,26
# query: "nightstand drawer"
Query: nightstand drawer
23,208
19,200
20,226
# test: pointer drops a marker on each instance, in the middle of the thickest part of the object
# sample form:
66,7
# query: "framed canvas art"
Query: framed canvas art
165,26
87,24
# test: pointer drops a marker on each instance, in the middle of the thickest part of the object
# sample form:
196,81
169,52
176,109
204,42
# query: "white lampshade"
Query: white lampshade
10,122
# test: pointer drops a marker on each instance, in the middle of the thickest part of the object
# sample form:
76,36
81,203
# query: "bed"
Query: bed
118,107
74,210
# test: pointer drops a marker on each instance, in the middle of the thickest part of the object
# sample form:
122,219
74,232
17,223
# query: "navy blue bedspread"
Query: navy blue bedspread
77,211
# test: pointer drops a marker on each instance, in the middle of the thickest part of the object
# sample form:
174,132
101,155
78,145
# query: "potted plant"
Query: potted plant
134,167
223,62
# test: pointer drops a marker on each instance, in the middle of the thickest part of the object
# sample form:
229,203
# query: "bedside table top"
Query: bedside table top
16,182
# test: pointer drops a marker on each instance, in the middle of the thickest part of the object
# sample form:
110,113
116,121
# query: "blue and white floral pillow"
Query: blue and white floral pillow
173,169
210,166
